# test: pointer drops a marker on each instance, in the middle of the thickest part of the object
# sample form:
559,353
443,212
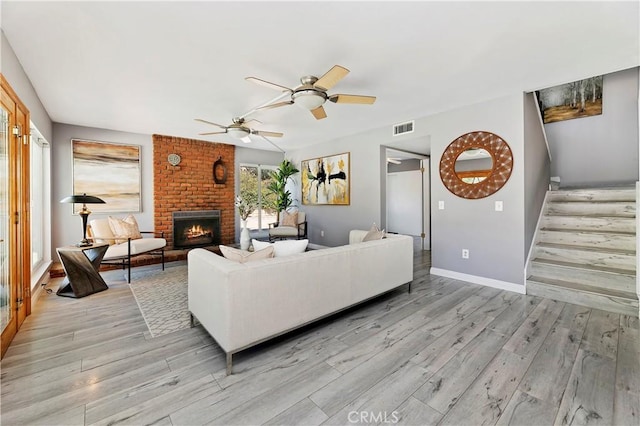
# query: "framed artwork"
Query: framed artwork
110,171
578,99
326,180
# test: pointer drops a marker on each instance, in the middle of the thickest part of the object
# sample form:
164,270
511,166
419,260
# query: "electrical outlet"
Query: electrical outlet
322,233
440,205
465,253
499,206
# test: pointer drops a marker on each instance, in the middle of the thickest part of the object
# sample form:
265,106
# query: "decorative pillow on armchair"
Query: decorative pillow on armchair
125,228
289,219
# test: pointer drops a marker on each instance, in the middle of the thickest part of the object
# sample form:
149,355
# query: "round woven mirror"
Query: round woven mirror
476,165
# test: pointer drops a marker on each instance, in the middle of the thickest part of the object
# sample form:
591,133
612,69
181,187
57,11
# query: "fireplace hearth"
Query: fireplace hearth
196,228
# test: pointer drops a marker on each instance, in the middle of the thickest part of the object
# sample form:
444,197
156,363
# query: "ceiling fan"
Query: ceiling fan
238,129
312,94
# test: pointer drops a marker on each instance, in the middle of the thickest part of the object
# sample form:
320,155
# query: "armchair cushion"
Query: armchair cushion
139,246
101,232
125,228
289,219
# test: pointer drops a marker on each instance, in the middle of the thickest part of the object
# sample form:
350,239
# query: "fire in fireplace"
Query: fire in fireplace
196,228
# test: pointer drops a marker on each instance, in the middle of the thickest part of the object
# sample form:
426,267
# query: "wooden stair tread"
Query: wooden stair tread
587,231
584,288
588,267
589,249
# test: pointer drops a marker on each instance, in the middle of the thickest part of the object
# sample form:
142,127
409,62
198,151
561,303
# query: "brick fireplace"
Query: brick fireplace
189,186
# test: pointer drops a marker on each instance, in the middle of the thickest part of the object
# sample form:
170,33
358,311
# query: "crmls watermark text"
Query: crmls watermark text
373,417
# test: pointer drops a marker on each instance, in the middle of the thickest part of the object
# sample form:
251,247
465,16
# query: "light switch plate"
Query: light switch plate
499,206
440,205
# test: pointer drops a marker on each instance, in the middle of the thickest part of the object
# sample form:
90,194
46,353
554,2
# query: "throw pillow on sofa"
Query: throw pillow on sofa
374,234
125,228
243,256
282,248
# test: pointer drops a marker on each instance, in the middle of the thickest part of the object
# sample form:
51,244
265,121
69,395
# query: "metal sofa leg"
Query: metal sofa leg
229,363
410,287
163,258
192,321
129,261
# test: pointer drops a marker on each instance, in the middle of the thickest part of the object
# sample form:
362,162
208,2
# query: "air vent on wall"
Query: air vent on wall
402,128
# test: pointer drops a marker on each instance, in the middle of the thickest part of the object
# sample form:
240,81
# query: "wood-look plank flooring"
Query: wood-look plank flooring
449,353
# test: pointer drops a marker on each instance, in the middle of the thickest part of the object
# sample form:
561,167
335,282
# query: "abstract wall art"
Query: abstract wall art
326,180
110,171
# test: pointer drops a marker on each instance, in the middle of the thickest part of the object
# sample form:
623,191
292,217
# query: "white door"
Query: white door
404,202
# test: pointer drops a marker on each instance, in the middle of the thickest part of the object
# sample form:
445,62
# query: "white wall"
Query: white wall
12,70
495,240
601,149
67,227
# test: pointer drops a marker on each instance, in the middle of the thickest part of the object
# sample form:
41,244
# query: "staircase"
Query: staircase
586,250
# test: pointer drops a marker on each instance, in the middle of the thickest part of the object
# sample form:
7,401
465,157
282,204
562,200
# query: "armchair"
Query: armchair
277,231
121,250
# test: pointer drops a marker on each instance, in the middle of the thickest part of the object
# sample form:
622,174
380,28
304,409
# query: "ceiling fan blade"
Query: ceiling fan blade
245,123
263,133
268,84
352,99
210,122
331,77
319,113
276,105
212,133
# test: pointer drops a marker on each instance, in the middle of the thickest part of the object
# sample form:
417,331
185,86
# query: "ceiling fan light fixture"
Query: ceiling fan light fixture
238,133
309,99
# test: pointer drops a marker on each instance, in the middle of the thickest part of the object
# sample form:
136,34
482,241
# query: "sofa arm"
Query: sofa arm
356,236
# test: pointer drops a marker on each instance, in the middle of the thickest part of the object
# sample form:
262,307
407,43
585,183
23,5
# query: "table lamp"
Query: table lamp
84,213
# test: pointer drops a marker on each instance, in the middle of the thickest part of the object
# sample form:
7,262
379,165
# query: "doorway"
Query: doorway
15,265
407,195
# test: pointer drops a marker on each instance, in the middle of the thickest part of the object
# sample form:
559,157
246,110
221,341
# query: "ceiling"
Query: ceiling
152,67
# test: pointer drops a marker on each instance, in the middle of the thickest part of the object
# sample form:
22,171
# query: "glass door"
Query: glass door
6,311
15,265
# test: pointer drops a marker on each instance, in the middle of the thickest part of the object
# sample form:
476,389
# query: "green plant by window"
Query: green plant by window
277,186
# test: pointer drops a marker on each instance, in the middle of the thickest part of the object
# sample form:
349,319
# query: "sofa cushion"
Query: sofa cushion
243,256
373,234
101,231
125,228
283,248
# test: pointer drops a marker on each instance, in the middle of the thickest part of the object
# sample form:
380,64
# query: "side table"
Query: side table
82,265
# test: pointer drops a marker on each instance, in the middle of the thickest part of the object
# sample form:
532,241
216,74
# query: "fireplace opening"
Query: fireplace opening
196,228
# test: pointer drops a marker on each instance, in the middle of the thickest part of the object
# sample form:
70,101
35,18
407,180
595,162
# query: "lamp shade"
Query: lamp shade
82,199
309,99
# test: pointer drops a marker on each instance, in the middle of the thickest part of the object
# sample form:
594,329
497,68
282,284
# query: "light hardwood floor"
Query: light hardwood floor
449,353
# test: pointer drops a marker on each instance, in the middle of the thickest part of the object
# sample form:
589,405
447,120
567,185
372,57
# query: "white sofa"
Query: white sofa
243,304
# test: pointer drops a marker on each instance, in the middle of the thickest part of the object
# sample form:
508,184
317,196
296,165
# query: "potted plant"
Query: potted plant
277,186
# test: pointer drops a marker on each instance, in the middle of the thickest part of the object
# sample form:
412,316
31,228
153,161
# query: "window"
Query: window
39,200
254,180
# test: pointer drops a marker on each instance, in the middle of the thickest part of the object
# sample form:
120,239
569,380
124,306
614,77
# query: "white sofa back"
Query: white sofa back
243,304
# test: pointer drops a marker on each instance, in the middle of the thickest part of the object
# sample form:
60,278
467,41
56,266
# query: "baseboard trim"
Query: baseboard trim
488,282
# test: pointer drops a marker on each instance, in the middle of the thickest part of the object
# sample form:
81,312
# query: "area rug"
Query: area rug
162,298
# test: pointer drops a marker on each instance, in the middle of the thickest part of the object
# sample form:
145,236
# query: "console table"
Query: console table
82,265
